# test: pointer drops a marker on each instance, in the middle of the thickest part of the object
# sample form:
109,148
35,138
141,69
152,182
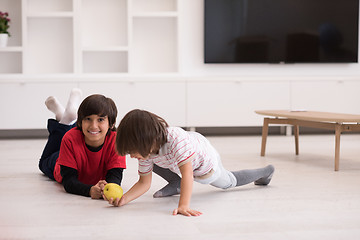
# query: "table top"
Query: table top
312,115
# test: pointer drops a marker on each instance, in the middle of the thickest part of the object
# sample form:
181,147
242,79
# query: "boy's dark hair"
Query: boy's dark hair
99,105
141,132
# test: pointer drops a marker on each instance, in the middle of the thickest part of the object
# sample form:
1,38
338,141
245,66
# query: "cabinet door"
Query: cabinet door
166,99
233,103
326,96
22,106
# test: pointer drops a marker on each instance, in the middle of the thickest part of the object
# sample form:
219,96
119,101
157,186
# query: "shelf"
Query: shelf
154,6
11,49
11,62
50,14
84,37
105,62
156,14
105,49
49,5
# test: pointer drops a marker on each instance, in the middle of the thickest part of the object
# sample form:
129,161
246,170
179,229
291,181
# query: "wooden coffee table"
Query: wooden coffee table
326,120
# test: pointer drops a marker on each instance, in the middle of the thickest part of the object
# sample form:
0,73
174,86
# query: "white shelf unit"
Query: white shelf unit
95,45
75,37
56,45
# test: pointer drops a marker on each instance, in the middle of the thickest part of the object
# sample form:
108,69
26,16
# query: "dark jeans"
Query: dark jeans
52,147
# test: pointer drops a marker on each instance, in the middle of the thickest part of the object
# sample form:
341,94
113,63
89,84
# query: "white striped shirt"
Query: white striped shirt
182,147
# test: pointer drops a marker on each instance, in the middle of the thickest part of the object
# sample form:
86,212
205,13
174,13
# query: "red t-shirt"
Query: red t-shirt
91,166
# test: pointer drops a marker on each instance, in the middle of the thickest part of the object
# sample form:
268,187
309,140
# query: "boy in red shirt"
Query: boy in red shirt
81,155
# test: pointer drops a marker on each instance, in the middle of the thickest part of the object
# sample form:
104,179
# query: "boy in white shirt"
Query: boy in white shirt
148,138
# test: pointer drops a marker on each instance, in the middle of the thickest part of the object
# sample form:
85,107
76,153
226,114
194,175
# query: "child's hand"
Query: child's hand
102,184
186,211
116,202
96,191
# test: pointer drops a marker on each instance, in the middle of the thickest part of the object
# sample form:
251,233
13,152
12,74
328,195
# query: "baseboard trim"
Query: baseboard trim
23,133
207,131
234,131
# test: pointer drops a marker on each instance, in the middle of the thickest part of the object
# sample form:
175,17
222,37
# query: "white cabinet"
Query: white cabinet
79,37
164,98
328,96
56,45
232,103
23,104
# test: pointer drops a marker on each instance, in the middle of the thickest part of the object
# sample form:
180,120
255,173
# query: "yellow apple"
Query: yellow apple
113,190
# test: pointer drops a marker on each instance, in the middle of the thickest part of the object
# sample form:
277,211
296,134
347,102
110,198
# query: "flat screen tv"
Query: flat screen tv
281,31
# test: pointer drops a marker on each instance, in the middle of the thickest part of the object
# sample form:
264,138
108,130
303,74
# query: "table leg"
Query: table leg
296,135
264,136
337,145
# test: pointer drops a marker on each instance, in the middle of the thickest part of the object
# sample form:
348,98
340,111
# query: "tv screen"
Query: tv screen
281,31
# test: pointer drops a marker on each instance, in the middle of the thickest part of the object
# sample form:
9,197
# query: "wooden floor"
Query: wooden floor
307,199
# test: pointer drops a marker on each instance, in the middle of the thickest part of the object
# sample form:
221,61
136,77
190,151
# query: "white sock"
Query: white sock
72,106
55,106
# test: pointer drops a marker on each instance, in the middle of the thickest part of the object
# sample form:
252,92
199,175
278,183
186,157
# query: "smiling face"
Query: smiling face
95,129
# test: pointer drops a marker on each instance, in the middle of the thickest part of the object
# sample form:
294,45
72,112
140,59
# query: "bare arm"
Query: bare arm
186,191
138,189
